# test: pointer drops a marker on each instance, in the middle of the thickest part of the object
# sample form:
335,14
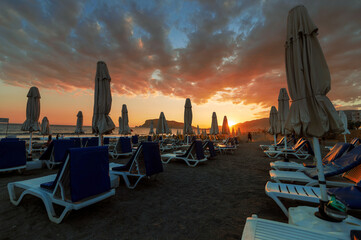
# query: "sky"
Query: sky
226,56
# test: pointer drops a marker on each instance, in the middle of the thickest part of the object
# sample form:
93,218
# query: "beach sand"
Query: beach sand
210,201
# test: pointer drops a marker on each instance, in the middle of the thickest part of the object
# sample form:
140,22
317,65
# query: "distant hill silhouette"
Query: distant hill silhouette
249,126
253,126
171,124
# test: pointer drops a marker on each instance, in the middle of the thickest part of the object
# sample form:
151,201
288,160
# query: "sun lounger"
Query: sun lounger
309,176
209,150
83,180
302,150
279,144
336,152
145,162
193,156
12,155
122,148
256,228
56,152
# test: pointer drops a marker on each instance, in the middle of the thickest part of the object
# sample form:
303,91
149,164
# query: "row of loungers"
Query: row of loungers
85,175
342,169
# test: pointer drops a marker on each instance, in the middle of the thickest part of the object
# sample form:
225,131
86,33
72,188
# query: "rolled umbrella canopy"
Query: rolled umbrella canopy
214,126
162,127
312,113
79,123
125,121
187,129
225,127
343,118
120,130
45,129
273,122
238,132
101,122
233,132
31,123
151,129
283,110
198,130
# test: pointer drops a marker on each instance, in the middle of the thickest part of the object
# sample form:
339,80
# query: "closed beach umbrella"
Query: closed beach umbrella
187,129
79,123
312,113
214,126
273,122
225,127
283,110
31,123
125,121
162,127
238,132
198,131
102,123
233,133
343,118
45,129
120,130
151,129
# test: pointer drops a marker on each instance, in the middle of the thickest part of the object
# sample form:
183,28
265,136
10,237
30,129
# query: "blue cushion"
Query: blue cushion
61,147
48,185
12,154
9,139
135,139
77,142
47,154
199,150
340,165
152,158
149,138
106,140
337,151
89,172
350,196
92,142
126,145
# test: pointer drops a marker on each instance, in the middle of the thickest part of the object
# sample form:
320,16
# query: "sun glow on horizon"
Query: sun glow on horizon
231,123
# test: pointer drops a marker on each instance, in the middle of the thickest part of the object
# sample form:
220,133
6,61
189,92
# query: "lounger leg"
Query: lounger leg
127,182
279,203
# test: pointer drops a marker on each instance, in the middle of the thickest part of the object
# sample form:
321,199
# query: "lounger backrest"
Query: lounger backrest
129,164
190,148
356,141
135,139
281,141
77,142
92,142
106,140
84,174
199,149
236,140
149,138
152,158
337,151
9,139
123,145
47,154
299,144
340,165
211,150
12,154
60,149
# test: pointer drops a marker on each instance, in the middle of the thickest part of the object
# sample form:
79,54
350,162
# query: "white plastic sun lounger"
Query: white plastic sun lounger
193,156
257,228
67,189
298,151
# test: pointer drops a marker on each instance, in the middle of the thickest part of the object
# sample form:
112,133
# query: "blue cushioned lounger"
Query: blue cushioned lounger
12,155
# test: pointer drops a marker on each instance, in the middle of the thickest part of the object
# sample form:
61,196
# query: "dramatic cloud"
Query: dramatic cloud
223,50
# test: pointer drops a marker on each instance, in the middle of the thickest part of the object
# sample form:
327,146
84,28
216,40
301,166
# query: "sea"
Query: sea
14,129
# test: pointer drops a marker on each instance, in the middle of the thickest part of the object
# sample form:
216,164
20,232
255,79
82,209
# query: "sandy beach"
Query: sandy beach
210,201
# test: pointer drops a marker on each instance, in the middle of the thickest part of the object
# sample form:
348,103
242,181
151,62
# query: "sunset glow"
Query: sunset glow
225,56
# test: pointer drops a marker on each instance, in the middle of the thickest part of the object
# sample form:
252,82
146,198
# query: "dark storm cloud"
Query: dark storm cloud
234,50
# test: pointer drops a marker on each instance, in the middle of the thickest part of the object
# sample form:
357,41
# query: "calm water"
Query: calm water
15,129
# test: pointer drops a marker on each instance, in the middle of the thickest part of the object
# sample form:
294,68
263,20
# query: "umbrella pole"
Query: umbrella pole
275,139
344,136
30,144
100,140
286,160
321,176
